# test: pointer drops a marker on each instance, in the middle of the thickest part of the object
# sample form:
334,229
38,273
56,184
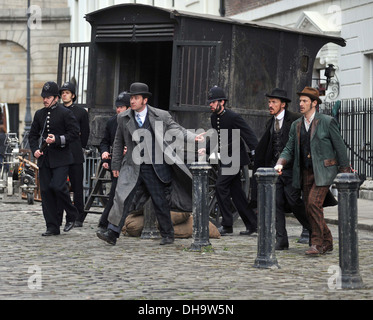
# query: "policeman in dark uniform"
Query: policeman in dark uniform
228,185
54,127
122,103
76,170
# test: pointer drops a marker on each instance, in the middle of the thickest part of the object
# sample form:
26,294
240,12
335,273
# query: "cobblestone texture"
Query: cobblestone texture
78,265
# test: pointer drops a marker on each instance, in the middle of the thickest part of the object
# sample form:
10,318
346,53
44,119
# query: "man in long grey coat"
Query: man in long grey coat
147,162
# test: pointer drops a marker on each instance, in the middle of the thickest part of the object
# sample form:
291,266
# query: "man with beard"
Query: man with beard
228,184
268,150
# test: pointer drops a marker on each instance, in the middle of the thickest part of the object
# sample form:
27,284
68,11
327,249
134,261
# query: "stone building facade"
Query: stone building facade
49,25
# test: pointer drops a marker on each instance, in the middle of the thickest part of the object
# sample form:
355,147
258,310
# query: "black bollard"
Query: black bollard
150,231
266,258
200,171
348,185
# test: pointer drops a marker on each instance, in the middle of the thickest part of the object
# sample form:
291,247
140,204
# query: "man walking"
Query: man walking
53,128
76,170
267,152
122,103
318,152
146,164
228,184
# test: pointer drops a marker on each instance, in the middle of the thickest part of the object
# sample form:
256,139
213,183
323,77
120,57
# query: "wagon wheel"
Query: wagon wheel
214,211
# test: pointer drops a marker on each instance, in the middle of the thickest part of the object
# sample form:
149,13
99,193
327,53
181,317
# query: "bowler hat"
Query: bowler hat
216,93
279,94
123,99
311,93
139,88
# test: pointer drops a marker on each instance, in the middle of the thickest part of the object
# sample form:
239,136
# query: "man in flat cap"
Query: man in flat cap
318,153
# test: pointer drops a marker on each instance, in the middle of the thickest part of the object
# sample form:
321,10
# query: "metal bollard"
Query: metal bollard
348,185
150,230
266,258
200,172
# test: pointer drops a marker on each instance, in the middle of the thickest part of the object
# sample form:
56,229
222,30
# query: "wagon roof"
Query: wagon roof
253,24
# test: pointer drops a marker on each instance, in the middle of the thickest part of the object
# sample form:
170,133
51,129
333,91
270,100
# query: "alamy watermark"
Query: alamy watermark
34,282
335,281
170,146
34,21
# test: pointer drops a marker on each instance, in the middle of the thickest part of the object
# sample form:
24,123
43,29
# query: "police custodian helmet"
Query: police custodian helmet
216,93
123,99
50,88
70,87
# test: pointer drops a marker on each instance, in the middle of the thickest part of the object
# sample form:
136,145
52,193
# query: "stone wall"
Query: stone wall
51,28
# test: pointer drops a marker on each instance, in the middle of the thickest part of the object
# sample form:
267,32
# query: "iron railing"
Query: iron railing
355,118
73,67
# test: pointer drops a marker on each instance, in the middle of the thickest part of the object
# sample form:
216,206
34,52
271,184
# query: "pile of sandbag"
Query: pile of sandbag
182,221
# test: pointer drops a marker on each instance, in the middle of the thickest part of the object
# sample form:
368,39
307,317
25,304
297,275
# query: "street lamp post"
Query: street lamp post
28,118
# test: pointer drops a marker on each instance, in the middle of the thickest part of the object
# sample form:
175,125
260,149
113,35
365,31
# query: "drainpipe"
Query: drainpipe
222,8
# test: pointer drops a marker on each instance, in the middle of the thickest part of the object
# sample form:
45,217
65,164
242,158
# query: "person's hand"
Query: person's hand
105,155
202,151
105,165
115,173
200,137
278,168
38,154
50,139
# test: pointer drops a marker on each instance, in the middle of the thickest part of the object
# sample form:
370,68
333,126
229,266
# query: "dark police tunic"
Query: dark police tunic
54,164
76,170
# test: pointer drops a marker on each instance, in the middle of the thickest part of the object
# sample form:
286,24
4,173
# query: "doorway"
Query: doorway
150,63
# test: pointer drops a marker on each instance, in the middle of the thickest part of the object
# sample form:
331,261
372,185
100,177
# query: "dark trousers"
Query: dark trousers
314,197
288,199
54,192
149,181
76,176
227,187
105,214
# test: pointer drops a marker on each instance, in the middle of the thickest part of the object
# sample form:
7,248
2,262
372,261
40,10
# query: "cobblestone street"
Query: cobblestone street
78,265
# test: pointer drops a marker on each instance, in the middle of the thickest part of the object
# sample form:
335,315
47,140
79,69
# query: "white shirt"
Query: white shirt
307,123
142,114
280,118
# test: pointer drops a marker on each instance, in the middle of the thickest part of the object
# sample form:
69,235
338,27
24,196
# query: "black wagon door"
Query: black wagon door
195,70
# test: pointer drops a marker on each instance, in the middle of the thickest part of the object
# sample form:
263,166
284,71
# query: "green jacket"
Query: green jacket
328,150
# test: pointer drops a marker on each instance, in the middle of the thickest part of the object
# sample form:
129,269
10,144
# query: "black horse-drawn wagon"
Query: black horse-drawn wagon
180,56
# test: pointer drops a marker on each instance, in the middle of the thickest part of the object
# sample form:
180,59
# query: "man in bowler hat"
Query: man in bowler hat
318,153
267,152
142,130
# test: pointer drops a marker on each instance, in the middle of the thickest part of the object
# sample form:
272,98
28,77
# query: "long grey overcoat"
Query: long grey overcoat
161,122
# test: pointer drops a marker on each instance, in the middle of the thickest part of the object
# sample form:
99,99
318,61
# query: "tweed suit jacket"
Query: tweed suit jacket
328,150
129,170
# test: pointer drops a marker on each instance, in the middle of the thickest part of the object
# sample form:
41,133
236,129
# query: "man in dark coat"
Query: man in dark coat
228,184
76,170
267,152
53,129
122,103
